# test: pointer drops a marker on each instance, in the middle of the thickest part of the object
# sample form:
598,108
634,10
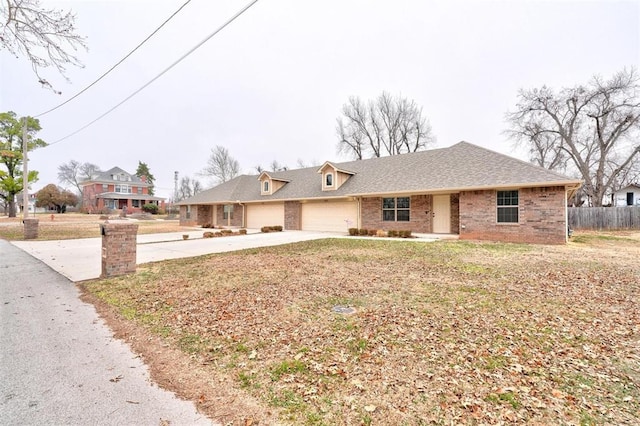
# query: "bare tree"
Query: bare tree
45,36
275,166
221,166
593,127
389,125
188,188
74,172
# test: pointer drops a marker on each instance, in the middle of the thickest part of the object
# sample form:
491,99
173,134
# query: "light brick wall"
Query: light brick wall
420,216
236,220
118,248
192,219
541,216
292,215
30,229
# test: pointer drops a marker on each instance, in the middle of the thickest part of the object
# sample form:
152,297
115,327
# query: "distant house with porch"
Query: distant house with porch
627,196
116,189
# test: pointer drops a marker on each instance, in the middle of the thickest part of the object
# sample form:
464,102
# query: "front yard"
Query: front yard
442,333
75,225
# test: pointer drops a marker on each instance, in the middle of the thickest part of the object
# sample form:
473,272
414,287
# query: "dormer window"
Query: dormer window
329,179
265,186
333,177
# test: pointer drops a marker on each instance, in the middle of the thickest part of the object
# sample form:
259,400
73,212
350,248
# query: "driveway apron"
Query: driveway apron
59,363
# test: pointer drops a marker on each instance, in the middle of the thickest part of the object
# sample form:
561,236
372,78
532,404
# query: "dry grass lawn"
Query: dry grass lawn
73,225
443,333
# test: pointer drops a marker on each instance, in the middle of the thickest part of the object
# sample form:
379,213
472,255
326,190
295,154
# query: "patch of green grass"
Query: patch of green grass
242,348
247,380
505,397
586,419
357,346
287,367
191,343
590,238
494,362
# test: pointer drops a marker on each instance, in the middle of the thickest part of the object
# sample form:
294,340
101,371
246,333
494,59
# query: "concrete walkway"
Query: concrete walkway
59,363
80,260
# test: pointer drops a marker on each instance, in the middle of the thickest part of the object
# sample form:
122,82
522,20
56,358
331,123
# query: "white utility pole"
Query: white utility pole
25,172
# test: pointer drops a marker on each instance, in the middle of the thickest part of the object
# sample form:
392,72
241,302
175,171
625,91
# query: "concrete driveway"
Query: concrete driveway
59,363
80,259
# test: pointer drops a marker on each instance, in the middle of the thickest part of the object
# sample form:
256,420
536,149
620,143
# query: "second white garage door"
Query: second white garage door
265,215
329,216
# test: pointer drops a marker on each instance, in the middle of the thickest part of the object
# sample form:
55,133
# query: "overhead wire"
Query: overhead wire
117,64
193,49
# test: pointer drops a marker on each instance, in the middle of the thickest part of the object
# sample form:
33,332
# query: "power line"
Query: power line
119,62
193,49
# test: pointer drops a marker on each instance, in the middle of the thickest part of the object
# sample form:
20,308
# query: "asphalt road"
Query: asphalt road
60,365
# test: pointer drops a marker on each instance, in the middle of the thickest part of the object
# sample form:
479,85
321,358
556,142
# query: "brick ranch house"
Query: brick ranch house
464,189
116,189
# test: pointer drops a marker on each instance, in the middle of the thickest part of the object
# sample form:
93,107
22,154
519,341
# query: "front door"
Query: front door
442,214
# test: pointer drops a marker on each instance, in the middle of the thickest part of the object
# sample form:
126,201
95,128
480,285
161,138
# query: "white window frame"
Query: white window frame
511,207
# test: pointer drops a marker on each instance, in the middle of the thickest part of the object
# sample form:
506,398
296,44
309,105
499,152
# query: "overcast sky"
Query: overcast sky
271,85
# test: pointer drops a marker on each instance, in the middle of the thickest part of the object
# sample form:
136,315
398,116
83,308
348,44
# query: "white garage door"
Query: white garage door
333,216
265,215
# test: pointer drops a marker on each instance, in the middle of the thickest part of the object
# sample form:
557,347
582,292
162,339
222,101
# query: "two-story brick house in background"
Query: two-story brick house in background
116,189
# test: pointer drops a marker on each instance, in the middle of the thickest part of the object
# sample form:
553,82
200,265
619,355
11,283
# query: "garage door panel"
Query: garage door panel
265,215
330,216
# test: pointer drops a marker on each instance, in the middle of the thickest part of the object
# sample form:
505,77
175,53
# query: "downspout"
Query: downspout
358,219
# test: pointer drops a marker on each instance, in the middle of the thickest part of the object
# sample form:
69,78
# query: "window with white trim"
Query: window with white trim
328,179
265,186
396,209
227,212
123,189
507,206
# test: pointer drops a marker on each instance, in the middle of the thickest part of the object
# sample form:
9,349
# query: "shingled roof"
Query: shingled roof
463,166
107,176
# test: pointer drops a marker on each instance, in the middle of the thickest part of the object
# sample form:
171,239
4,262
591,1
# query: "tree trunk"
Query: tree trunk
12,208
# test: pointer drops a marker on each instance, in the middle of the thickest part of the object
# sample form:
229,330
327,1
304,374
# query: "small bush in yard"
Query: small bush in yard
393,233
207,225
381,233
226,231
353,231
371,232
363,231
150,208
276,228
404,234
207,235
242,231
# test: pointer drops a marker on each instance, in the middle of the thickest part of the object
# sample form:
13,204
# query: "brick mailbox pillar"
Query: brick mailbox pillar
30,229
118,248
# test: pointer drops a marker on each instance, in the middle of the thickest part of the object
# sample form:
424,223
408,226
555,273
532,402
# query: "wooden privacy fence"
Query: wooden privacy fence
604,218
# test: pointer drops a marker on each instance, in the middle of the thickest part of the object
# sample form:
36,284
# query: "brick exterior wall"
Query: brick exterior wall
204,215
93,204
541,216
236,220
455,213
188,221
420,215
292,215
30,228
118,248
